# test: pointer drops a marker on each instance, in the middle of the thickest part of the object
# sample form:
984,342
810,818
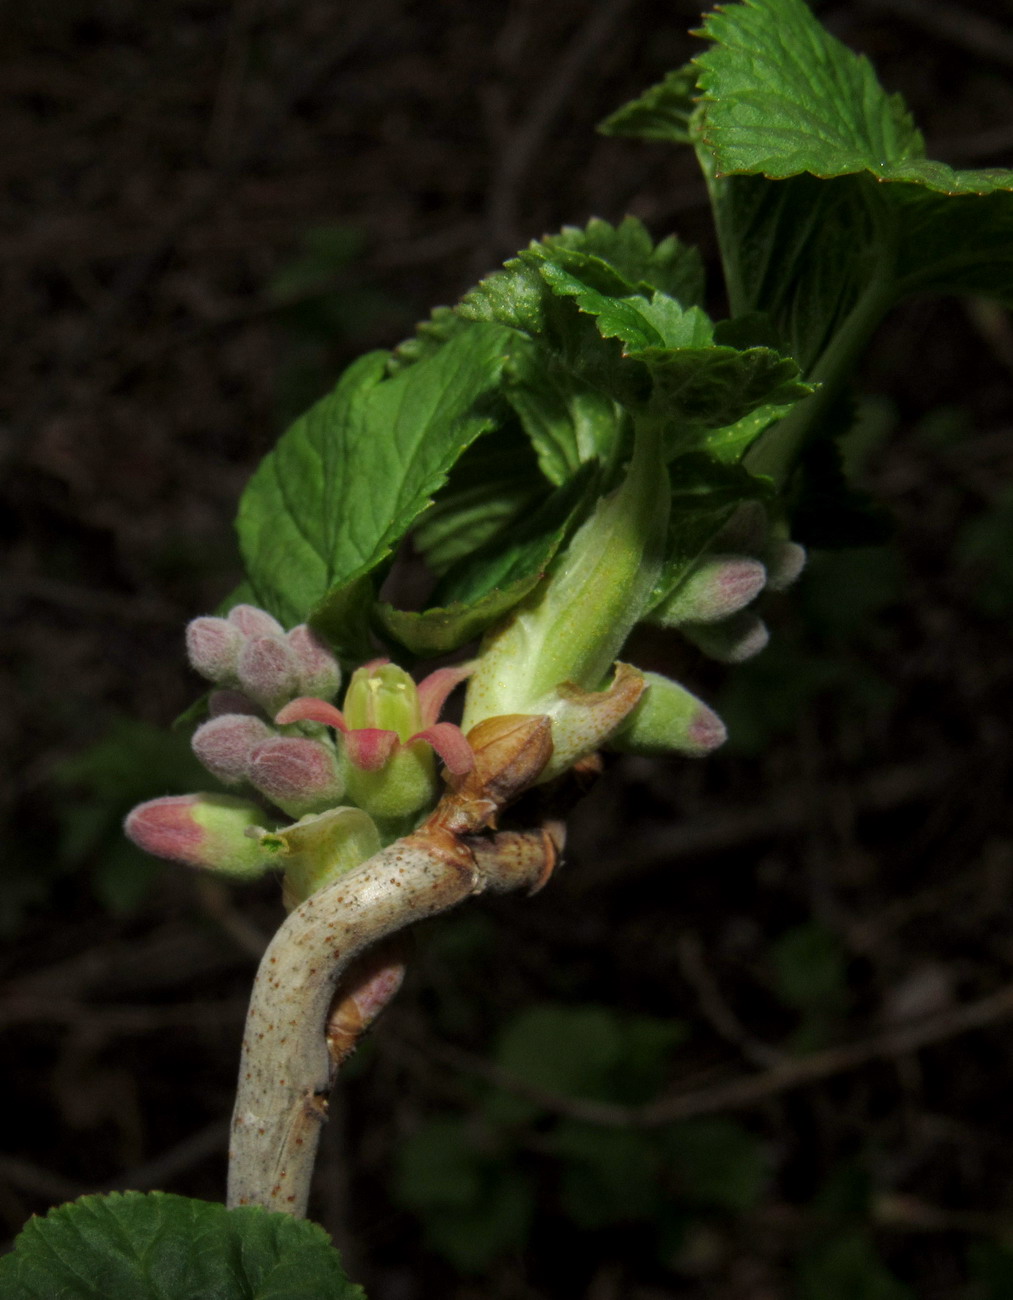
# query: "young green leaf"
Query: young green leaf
782,103
349,478
491,581
638,321
667,362
629,252
496,481
616,262
661,113
781,98
134,1246
568,422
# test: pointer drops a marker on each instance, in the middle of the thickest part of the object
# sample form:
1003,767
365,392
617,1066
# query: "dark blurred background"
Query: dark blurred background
209,209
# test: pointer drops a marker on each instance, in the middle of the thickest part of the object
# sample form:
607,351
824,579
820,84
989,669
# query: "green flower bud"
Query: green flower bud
732,641
383,696
201,830
785,560
668,719
717,586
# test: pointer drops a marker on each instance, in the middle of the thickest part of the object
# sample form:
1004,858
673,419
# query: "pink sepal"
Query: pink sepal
434,689
369,748
307,708
449,742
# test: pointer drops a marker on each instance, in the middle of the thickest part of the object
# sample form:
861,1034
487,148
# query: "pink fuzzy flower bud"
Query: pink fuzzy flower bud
746,530
269,672
212,646
319,671
300,776
224,744
200,830
252,621
719,585
669,719
369,986
785,561
731,641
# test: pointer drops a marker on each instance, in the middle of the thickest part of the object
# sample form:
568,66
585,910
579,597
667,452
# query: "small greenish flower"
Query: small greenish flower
389,736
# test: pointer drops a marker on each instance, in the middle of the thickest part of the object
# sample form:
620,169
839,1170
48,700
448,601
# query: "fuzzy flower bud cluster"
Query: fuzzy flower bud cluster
350,779
250,651
261,668
711,606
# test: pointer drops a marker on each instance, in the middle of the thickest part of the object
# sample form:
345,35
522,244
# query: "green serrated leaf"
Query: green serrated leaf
718,399
350,477
627,250
661,113
670,366
430,335
495,481
583,301
615,260
155,1246
489,582
826,258
782,96
568,422
638,321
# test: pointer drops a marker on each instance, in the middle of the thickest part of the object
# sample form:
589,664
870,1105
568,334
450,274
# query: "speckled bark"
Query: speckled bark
286,1071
